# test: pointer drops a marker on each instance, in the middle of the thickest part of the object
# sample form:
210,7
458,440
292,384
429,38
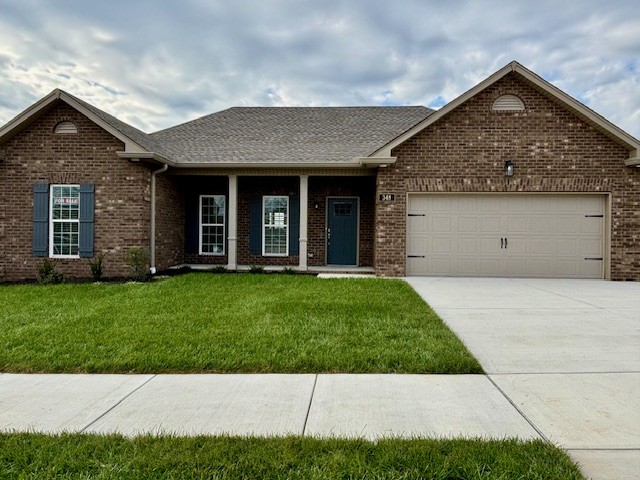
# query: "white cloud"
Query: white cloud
158,63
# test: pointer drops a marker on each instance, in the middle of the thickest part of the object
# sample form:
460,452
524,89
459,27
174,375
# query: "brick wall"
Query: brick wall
553,151
322,187
170,228
36,155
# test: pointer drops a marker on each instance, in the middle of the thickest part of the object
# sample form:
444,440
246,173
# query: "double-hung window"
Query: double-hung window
275,225
212,217
65,221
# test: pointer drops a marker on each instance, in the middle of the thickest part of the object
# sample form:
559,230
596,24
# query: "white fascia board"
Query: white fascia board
633,160
58,94
386,150
514,66
29,112
143,154
578,106
129,144
215,165
377,161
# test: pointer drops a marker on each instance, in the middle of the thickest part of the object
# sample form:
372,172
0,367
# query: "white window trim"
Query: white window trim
264,225
223,225
51,221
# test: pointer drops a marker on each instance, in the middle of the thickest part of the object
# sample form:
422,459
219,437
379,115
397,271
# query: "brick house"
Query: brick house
512,178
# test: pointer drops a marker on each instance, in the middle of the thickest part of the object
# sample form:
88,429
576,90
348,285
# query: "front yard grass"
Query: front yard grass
28,455
203,322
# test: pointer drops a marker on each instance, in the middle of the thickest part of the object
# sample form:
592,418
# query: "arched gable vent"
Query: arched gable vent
507,103
65,127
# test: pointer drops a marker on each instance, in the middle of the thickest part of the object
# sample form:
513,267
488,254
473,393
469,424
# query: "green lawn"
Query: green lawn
226,323
34,456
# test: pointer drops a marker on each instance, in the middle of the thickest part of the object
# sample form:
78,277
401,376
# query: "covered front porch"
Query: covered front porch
308,222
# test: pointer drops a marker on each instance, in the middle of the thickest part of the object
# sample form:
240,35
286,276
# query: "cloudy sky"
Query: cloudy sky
156,63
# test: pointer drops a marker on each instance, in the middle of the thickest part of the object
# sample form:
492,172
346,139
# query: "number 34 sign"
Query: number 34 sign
386,197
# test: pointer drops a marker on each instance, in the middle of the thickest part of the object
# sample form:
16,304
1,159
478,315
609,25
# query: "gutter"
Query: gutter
362,162
152,246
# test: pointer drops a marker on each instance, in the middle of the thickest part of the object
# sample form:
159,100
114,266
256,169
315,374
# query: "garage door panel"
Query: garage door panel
440,245
490,224
591,225
540,246
540,224
547,235
467,224
567,224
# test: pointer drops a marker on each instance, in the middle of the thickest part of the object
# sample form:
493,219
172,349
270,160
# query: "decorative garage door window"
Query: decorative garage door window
65,220
212,219
275,214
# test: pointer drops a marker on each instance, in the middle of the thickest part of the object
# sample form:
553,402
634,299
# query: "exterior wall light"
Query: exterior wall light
508,168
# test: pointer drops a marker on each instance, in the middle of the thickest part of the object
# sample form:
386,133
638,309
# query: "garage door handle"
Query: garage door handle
505,243
501,243
415,256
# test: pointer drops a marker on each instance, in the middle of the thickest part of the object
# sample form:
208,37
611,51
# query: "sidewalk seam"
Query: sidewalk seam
306,418
544,437
118,402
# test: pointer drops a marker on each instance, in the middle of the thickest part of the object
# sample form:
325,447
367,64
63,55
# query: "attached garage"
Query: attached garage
518,235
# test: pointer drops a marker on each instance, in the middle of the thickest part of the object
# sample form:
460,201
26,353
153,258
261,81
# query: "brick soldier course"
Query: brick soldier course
362,152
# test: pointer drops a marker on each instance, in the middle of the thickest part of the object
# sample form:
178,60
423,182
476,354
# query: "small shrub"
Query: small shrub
47,273
95,265
289,271
138,260
257,269
218,269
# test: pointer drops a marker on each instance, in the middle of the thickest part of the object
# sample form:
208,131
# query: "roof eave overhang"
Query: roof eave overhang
58,94
633,160
599,120
146,156
364,162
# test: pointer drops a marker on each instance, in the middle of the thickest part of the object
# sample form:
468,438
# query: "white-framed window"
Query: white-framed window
275,226
64,221
212,220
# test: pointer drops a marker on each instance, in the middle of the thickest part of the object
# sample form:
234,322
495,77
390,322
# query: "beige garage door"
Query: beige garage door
519,235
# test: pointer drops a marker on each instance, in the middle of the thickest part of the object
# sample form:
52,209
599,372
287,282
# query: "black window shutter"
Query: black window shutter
294,225
41,219
192,226
87,204
255,225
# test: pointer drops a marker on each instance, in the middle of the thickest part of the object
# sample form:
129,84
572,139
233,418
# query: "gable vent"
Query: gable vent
507,103
65,127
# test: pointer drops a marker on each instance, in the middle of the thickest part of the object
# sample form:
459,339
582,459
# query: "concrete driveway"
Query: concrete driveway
566,354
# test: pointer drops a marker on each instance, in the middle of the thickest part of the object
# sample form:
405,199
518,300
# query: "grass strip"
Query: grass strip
78,456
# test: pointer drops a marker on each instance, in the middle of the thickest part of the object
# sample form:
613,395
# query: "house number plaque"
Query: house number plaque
386,197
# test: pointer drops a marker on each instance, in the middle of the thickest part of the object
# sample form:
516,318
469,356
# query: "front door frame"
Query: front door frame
326,227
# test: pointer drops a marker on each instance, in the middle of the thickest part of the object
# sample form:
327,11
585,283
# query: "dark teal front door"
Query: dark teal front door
342,231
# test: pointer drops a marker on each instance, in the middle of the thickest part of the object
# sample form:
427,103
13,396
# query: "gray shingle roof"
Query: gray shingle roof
287,134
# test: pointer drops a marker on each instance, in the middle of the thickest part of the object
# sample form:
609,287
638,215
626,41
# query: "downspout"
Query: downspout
152,247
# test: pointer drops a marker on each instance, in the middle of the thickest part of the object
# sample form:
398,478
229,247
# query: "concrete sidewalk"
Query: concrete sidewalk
369,406
565,352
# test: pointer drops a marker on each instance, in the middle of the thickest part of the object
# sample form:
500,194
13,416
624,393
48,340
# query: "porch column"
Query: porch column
232,237
304,202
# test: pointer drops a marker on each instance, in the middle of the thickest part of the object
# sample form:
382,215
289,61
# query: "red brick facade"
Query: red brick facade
553,151
37,155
